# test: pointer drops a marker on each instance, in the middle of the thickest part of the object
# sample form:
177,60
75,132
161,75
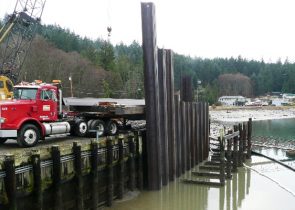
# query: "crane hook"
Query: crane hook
109,28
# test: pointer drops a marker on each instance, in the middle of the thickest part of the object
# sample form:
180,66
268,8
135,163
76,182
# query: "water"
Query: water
246,191
278,129
274,137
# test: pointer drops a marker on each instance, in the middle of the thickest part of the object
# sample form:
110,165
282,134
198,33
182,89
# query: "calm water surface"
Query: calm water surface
283,128
246,191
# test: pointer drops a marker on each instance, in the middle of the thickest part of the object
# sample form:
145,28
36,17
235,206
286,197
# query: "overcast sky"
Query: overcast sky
254,29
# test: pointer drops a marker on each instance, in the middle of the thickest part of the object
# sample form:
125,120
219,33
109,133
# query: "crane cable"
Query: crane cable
261,174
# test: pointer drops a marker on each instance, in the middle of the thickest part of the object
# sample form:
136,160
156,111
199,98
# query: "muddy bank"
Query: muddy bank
258,113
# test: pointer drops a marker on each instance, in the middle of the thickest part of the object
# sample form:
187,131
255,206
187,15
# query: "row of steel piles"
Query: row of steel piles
176,131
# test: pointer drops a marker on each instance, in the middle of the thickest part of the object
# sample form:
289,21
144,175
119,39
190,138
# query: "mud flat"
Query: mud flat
243,114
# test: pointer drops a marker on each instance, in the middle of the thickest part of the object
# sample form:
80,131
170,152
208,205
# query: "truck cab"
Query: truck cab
33,113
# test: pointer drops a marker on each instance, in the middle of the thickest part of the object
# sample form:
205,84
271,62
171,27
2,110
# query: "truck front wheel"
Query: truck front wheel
3,140
28,136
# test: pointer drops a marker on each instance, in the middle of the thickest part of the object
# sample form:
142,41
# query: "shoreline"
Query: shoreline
235,115
223,118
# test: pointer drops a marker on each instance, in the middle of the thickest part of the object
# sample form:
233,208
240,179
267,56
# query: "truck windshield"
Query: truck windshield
24,93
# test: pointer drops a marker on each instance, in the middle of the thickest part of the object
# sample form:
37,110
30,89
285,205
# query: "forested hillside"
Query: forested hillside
101,70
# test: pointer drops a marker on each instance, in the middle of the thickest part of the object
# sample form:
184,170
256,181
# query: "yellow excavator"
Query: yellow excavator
16,35
6,88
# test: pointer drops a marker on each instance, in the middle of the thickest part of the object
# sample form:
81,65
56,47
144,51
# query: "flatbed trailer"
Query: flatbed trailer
127,109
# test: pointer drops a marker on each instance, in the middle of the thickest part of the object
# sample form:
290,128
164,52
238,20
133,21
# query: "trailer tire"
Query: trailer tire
89,122
80,128
3,140
28,135
99,126
111,127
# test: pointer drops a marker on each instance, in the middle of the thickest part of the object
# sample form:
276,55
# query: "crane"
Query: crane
16,36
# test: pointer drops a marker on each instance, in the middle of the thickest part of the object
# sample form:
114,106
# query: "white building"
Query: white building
289,96
232,100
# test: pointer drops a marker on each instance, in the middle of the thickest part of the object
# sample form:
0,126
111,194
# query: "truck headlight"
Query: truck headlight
2,120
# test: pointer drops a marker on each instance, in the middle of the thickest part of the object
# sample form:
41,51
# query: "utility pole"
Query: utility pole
71,83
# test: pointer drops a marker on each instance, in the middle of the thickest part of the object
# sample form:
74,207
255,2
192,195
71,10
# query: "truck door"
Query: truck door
48,105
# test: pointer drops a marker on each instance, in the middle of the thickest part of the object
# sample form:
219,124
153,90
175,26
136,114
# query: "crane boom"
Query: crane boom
17,34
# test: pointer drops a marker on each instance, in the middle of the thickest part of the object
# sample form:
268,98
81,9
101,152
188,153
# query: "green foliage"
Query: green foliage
125,65
106,89
106,56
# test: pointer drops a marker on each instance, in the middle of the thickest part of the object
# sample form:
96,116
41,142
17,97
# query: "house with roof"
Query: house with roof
232,100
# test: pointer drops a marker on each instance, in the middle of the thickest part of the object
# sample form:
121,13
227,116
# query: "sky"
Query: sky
253,29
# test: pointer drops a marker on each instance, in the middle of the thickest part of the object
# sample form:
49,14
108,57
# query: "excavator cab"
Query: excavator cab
6,88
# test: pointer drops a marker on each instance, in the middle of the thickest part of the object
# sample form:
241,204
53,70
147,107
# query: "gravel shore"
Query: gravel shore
225,117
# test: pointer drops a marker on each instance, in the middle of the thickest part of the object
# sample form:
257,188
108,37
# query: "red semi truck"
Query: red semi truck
37,112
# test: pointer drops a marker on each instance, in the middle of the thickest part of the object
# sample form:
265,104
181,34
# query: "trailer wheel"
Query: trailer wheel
89,122
28,136
3,140
80,128
111,127
99,126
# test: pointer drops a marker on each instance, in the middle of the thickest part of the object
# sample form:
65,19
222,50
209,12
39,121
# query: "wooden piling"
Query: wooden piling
222,165
249,138
36,163
78,175
56,167
94,192
240,158
57,198
121,167
229,156
37,187
245,128
78,159
94,157
139,163
94,173
235,152
10,179
110,173
235,191
131,162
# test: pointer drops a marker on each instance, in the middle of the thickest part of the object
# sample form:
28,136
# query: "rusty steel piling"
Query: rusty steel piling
163,109
151,85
